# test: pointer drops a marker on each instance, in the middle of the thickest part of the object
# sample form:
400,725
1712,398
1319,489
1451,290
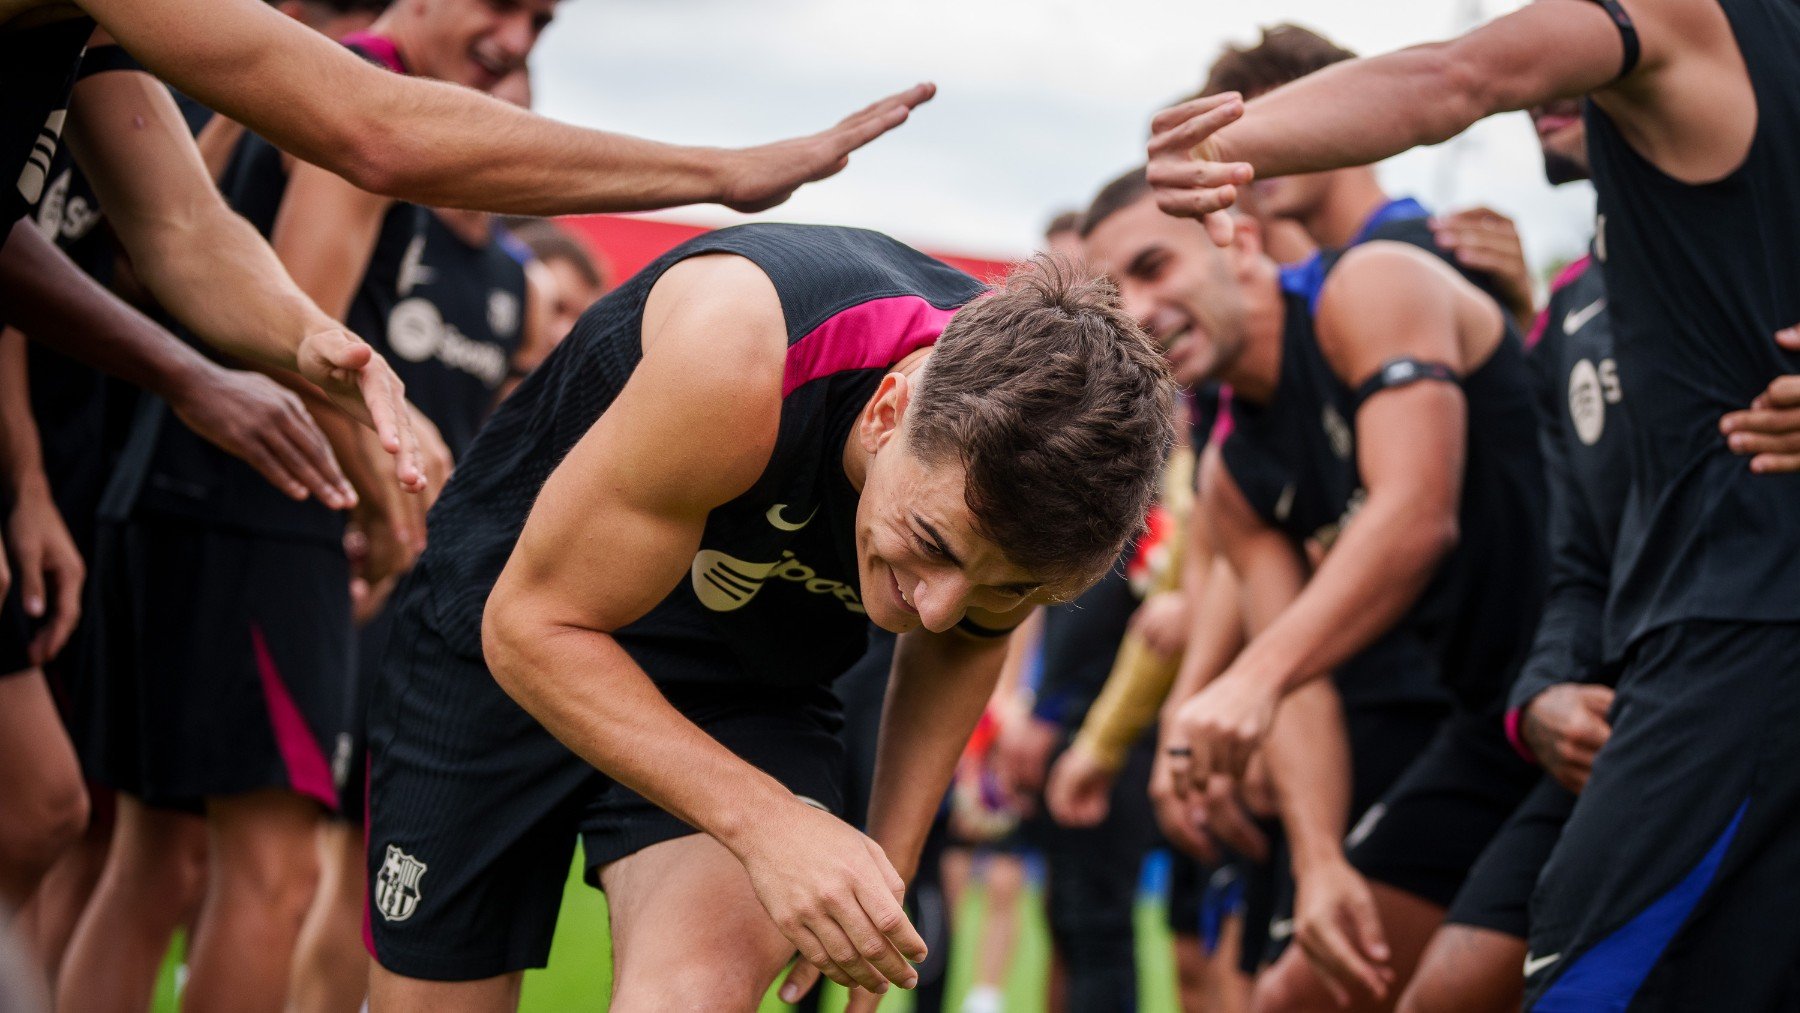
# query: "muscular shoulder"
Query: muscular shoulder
1386,299
719,318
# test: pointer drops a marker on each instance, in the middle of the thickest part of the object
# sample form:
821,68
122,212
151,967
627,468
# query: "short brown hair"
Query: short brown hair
1114,197
1066,221
1286,53
1061,412
550,241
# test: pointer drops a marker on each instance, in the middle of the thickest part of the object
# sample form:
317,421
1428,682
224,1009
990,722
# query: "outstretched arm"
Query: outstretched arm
440,145
1362,111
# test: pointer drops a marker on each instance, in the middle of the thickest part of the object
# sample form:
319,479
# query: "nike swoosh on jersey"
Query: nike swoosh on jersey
1535,964
1577,319
775,518
1285,504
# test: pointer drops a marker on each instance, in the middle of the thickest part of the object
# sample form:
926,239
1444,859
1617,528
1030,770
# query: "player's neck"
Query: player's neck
1255,372
474,228
1354,197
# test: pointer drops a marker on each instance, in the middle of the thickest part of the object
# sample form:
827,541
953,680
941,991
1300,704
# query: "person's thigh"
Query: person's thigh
688,931
1674,882
1427,831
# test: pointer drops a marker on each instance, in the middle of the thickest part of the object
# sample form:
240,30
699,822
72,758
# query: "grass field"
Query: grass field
580,972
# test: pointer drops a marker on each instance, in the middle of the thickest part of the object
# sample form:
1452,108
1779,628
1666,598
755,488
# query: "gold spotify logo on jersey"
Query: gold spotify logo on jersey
724,583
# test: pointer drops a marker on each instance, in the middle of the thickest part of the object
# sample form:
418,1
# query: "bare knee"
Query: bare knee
1278,990
277,873
45,821
703,974
1467,970
711,983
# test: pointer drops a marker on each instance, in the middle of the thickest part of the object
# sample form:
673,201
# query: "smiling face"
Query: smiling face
1178,286
476,43
921,558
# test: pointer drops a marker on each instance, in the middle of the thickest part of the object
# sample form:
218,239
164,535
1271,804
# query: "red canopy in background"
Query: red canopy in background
630,243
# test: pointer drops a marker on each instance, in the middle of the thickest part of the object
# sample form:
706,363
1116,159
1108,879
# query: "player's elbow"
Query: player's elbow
1435,534
1461,89
506,638
375,158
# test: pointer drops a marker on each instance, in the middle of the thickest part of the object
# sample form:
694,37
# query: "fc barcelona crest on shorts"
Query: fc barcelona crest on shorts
397,885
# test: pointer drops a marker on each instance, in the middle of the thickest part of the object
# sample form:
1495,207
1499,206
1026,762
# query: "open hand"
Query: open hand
1187,170
251,417
833,893
760,178
1768,432
364,385
1339,930
50,570
1482,239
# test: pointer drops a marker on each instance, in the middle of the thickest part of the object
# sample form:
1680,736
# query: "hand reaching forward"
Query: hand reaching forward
364,385
760,178
1187,170
250,416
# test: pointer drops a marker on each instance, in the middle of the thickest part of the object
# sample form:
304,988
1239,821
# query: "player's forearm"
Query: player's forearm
187,261
939,687
424,141
21,460
1356,113
585,690
449,147
1217,637
1309,761
50,299
1382,561
1567,645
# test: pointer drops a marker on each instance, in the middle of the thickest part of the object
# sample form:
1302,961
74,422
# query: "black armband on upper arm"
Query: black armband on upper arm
1401,371
1628,34
974,629
100,59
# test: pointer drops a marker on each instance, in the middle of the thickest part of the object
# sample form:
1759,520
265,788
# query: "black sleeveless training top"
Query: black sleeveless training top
1700,279
1295,460
772,596
37,73
449,323
1584,442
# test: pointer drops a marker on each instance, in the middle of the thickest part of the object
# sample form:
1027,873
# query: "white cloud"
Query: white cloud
1039,101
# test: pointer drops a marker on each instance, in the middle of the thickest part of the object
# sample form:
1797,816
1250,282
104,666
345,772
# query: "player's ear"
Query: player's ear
886,411
1247,239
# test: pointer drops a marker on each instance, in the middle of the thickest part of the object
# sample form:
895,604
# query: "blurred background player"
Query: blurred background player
1558,708
1705,337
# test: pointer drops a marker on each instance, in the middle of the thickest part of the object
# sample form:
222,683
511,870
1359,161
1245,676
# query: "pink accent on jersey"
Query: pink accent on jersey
307,771
1222,422
1516,735
1564,279
380,47
879,332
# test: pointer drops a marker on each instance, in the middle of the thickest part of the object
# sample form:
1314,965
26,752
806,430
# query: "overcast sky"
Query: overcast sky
1039,101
